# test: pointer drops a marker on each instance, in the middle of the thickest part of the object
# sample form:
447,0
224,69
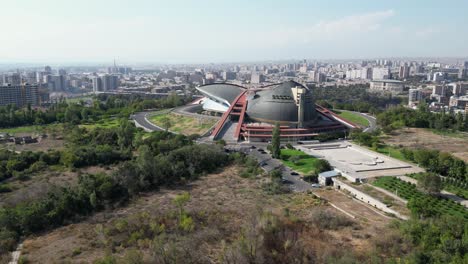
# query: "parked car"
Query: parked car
315,185
294,173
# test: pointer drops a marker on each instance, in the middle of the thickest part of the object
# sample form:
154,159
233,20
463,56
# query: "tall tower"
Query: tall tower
299,97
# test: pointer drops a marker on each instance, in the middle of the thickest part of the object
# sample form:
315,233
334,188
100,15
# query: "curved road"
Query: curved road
372,120
141,120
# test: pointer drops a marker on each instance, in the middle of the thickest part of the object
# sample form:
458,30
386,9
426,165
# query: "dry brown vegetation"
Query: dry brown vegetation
40,183
424,138
231,221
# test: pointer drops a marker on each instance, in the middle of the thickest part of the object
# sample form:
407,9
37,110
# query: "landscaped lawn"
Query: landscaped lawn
103,123
392,152
183,124
409,191
352,117
28,129
305,164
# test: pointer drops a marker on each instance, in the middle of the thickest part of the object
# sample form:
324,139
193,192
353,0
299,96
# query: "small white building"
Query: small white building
325,178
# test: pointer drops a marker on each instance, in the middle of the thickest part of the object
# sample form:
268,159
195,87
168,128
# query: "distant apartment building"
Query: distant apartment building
317,77
392,86
105,83
380,73
440,93
459,102
229,75
257,78
12,79
19,95
414,97
459,88
404,72
56,83
462,73
110,82
97,84
436,76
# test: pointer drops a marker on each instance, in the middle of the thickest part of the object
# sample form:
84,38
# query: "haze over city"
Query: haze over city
53,31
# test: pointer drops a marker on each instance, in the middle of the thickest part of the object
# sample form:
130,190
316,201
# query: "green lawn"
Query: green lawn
22,129
304,165
79,99
352,117
28,129
391,151
103,123
186,125
409,191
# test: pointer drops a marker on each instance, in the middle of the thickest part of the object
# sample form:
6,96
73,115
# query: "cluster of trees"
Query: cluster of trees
22,164
353,98
438,162
366,139
401,116
435,240
162,159
62,111
101,146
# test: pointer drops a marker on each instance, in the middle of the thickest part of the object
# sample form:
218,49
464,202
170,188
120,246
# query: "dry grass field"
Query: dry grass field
424,138
225,209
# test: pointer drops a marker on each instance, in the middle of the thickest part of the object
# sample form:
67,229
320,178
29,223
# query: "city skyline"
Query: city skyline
208,31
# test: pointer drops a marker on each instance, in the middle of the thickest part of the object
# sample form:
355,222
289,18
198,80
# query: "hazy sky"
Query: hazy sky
224,31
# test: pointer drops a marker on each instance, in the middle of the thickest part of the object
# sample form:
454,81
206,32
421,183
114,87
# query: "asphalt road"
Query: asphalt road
269,164
140,121
372,120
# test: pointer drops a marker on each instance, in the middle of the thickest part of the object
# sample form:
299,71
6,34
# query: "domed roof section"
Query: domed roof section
221,91
276,103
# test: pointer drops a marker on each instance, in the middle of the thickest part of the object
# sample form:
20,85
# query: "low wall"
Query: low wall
366,198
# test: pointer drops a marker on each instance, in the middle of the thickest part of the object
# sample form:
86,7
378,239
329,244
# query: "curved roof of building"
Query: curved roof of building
276,104
222,92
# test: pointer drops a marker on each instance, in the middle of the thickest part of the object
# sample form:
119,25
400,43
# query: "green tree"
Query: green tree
166,122
276,142
125,134
431,183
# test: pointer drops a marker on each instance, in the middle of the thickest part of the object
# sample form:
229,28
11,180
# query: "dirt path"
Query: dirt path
355,208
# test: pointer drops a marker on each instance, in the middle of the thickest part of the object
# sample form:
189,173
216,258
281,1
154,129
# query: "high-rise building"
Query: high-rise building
228,75
462,73
57,83
97,84
62,72
12,79
257,78
404,71
110,82
48,69
380,73
19,95
414,96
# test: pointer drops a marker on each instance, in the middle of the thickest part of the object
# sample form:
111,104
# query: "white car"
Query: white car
315,185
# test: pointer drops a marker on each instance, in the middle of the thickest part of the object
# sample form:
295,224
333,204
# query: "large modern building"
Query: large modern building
250,114
392,86
19,95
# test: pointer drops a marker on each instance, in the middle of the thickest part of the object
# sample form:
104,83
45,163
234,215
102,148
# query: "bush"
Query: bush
325,219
